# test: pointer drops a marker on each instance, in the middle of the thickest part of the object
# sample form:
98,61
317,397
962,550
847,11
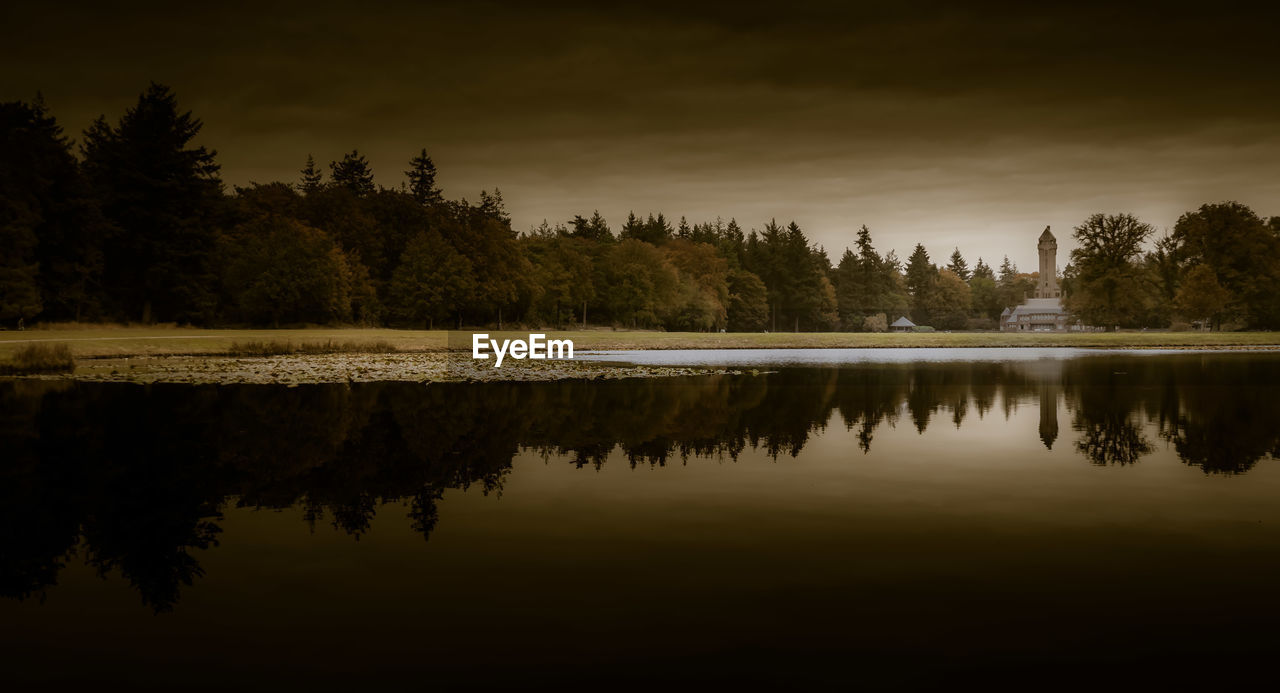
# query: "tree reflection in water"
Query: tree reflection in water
134,478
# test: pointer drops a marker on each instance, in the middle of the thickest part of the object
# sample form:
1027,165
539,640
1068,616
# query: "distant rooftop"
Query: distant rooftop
902,322
1039,305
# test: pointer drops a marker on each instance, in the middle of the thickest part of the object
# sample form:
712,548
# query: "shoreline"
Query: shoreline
133,342
318,369
454,366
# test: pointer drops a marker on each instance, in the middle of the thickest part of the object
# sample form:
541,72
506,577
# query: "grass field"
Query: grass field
87,342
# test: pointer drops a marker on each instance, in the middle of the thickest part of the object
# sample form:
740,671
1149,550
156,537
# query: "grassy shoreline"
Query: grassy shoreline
111,342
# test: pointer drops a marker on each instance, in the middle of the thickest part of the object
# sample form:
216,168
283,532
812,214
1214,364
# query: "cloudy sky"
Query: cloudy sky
971,127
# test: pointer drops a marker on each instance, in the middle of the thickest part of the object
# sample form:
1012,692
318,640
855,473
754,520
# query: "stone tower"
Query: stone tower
1047,287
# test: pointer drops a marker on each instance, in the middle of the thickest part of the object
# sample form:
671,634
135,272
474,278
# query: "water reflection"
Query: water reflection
134,479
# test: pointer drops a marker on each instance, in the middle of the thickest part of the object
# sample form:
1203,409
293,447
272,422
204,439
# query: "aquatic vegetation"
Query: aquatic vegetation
39,358
329,346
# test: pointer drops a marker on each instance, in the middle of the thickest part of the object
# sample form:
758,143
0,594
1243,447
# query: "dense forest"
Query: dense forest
134,224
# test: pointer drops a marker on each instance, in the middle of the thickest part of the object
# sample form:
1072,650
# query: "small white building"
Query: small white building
902,324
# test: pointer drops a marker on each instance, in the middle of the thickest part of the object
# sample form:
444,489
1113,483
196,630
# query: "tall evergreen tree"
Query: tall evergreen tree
804,293
766,259
849,291
922,278
50,229
867,285
353,173
494,207
1008,272
633,227
422,180
593,229
1014,287
162,198
982,269
19,270
958,266
682,230
748,309
312,178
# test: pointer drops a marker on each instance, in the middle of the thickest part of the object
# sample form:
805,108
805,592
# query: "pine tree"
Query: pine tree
982,269
1008,272
733,231
633,228
162,198
958,266
594,229
867,285
312,178
50,228
922,278
984,295
19,271
422,180
1010,288
353,173
850,290
921,273
866,252
748,309
766,259
493,206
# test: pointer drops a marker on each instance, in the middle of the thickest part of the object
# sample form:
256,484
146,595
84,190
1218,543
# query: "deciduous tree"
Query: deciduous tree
432,281
1107,285
1201,296
1242,252
289,272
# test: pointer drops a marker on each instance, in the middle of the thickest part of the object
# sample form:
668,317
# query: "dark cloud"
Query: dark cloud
971,126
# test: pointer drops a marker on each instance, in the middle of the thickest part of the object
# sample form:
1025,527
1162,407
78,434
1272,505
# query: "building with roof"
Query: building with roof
902,324
1044,312
1037,315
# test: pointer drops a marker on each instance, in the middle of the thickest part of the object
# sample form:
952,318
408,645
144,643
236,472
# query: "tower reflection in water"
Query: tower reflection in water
136,479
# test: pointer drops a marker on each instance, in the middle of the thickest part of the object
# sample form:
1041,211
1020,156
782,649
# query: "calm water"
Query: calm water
1044,521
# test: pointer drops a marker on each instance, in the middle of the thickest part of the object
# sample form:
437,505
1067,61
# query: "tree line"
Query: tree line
135,224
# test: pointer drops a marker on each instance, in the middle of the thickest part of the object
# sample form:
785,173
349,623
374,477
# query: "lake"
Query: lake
1035,518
